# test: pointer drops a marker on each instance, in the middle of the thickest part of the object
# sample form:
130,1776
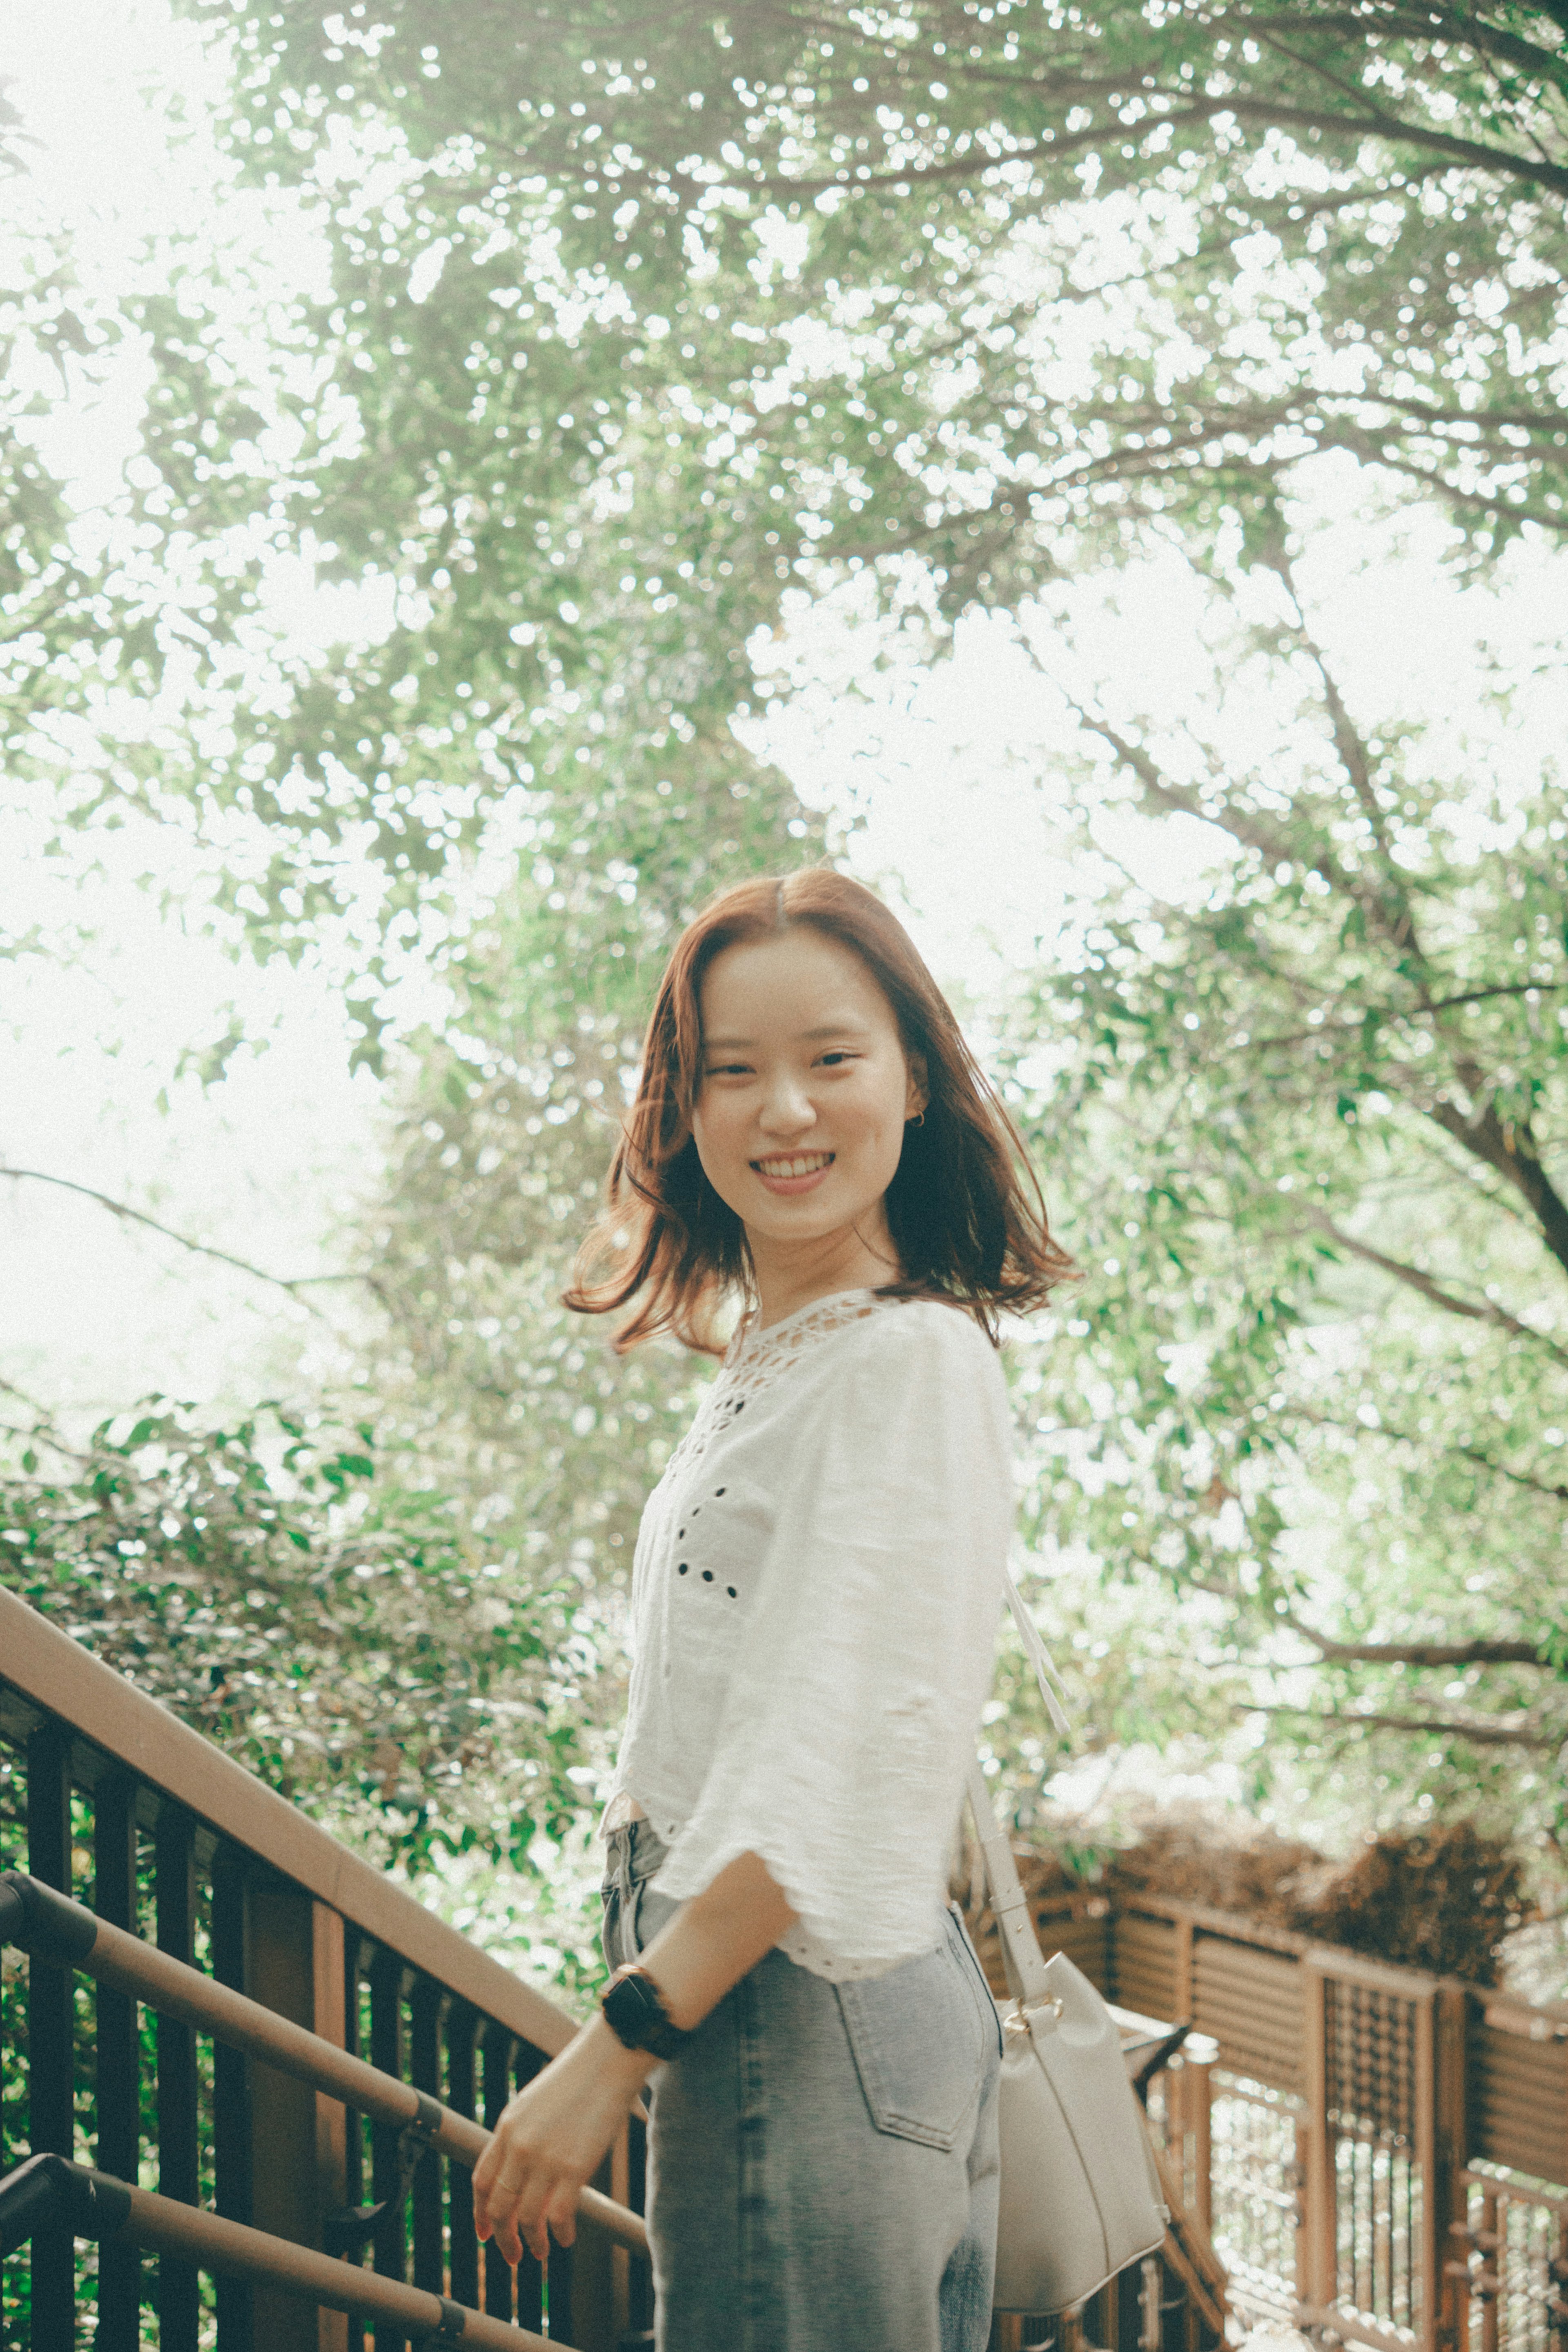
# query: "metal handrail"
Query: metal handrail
44,1922
47,2189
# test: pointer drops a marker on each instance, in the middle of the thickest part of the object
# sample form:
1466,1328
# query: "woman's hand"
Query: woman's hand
549,2141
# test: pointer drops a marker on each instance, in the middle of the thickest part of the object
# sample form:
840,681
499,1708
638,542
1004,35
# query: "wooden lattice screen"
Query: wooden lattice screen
1379,2154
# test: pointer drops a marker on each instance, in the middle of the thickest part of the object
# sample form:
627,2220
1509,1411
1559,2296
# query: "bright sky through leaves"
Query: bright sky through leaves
949,771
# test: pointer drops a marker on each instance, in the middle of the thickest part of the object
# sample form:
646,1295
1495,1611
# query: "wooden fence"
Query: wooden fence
1380,2155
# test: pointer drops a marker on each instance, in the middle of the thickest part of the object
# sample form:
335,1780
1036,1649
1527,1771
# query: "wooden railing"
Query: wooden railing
1379,2155
107,1797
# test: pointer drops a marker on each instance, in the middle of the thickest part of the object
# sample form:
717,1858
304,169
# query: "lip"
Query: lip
789,1187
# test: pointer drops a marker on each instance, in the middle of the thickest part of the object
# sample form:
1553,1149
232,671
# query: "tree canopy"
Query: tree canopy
631,320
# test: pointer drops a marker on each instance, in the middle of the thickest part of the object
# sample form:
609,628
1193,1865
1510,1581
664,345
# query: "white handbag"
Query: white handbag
1080,2197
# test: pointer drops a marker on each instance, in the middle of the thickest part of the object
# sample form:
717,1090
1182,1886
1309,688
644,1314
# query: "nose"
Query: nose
786,1106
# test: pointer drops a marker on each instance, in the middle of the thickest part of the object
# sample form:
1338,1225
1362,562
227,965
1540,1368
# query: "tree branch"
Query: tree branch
1475,1310
1390,1654
1252,832
1083,90
1509,1147
1417,1653
1388,1013
42,1430
1354,760
1398,1436
1482,1734
1466,27
122,1210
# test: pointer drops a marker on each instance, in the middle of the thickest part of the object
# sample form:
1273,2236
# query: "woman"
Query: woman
814,1597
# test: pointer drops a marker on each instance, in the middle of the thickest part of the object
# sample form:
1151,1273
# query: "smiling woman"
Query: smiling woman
817,1582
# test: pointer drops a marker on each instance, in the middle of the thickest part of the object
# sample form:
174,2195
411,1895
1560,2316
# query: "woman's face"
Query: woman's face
803,1092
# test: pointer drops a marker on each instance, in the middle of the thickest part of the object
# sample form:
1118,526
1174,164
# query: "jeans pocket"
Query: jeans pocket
920,2045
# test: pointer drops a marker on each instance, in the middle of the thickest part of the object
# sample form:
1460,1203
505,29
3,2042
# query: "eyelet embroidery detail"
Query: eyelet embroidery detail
755,1360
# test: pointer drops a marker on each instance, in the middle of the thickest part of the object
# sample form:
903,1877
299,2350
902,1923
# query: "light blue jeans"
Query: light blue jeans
823,2161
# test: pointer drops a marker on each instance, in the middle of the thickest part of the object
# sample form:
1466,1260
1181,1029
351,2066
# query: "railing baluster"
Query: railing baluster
232,2164
178,2293
50,2067
327,2004
497,2066
462,2027
119,2057
353,2122
424,2055
387,2053
640,2298
529,2274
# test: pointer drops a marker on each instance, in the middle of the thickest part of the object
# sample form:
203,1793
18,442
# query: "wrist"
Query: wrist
603,2044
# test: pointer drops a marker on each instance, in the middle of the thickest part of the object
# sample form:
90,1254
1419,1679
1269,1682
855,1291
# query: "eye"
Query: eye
728,1070
835,1055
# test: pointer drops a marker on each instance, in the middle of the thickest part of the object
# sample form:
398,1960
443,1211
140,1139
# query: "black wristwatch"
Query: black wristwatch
634,2009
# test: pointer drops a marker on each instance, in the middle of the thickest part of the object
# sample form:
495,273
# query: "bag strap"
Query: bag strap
1022,1956
1052,1689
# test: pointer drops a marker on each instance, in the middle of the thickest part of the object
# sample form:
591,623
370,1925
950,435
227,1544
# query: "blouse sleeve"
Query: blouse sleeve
867,1654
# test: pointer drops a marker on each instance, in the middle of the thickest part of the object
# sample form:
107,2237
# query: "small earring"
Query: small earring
918,1120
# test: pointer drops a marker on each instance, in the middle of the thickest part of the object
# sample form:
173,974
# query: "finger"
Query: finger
484,2174
534,2228
561,2213
526,2224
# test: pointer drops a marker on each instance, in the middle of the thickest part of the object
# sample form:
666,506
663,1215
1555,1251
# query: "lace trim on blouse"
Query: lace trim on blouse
756,1359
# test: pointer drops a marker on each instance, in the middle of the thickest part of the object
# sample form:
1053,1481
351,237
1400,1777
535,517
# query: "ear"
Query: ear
918,1093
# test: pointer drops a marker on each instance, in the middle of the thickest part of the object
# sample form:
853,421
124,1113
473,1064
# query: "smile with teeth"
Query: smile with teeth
799,1163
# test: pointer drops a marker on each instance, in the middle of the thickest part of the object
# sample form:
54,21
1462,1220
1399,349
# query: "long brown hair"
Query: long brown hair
964,1209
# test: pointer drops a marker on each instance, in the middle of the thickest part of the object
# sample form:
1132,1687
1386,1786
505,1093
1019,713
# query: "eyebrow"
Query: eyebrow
846,1028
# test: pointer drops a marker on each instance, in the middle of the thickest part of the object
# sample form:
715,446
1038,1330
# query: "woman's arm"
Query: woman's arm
550,2137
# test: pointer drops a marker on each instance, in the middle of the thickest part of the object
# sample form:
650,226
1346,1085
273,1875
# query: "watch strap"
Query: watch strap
634,2011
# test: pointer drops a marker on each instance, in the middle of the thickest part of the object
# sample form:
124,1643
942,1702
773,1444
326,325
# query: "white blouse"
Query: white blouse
814,1599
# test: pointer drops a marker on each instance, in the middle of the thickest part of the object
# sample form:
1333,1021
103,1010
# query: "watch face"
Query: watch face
631,2012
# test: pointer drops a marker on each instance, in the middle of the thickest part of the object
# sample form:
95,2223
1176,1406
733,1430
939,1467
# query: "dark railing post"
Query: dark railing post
598,2292
386,2180
424,2055
529,2274
461,2031
498,2067
284,2198
232,2166
51,2057
354,2126
178,2293
640,2274
1318,2289
1451,2146
119,2057
329,1943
